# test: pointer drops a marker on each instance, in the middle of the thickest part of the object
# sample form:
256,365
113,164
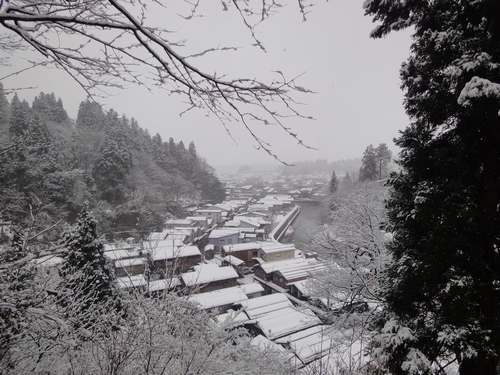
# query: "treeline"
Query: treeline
50,165
322,166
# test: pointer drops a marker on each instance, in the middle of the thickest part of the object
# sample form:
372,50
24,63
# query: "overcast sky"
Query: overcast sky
357,98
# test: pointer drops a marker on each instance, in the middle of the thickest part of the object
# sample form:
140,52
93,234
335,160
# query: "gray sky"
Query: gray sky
357,98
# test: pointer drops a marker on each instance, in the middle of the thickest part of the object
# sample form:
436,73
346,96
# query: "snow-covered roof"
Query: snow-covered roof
166,250
233,316
157,236
276,247
302,287
288,264
293,273
250,221
131,281
277,317
207,273
197,218
164,284
209,211
263,343
232,223
263,305
120,254
233,260
309,344
252,288
220,233
218,298
242,247
223,206
179,222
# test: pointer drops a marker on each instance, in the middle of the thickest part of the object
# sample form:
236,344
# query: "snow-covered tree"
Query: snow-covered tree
354,245
442,284
334,184
374,163
369,168
88,291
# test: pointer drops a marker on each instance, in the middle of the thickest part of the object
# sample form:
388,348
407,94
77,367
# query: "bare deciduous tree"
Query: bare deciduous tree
107,44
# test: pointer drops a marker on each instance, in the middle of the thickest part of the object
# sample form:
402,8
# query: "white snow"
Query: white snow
218,298
206,273
476,88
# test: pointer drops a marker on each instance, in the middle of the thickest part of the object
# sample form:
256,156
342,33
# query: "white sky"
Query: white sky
357,98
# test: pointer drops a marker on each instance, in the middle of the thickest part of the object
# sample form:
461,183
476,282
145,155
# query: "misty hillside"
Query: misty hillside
50,164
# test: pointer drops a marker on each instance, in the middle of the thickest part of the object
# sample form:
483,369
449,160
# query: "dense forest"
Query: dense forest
51,164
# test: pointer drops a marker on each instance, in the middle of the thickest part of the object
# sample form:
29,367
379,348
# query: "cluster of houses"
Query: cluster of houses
226,259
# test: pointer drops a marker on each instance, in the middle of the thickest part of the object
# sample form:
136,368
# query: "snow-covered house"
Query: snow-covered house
214,214
178,223
221,237
208,277
267,251
275,316
283,273
222,299
173,258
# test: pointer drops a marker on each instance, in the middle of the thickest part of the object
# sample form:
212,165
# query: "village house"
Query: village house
221,237
222,299
214,214
275,316
178,223
129,267
267,251
173,258
199,221
283,273
252,290
208,277
246,252
158,288
137,282
308,345
126,259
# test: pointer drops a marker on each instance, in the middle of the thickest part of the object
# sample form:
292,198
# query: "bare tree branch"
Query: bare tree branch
66,35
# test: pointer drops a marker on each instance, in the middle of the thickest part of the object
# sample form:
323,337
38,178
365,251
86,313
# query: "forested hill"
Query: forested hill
50,164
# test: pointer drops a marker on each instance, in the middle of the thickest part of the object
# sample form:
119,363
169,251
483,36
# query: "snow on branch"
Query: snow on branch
476,88
105,44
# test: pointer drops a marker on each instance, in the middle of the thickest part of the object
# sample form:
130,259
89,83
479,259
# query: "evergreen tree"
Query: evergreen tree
334,184
90,115
113,165
4,108
88,290
442,285
49,108
369,170
383,157
19,116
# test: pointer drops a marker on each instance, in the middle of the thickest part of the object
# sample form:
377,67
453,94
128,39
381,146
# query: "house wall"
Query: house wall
221,241
259,272
282,255
177,266
210,287
280,280
129,270
245,255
